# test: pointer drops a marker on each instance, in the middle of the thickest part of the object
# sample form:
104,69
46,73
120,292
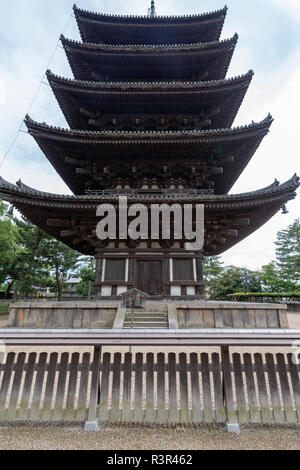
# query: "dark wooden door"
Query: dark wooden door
149,277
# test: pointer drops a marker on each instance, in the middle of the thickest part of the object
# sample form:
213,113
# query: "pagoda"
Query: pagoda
150,114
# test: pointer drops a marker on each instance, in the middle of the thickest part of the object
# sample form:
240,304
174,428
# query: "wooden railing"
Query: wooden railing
150,388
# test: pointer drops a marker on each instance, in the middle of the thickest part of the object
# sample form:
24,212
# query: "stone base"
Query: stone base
233,428
236,315
62,315
191,315
91,426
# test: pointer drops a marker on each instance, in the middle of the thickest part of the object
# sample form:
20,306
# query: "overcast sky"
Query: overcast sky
269,43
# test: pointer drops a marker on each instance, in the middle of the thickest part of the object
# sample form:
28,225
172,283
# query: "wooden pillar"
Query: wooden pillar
93,420
166,274
200,290
98,276
231,424
131,273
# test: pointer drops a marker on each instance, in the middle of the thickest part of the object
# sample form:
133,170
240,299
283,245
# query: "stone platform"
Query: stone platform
191,315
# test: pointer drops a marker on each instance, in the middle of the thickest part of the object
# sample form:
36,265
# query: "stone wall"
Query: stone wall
62,315
232,315
194,315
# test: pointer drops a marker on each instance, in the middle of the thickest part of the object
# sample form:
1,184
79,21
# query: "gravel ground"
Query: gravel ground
142,438
41,437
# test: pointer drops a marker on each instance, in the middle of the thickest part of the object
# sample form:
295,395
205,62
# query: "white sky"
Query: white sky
269,43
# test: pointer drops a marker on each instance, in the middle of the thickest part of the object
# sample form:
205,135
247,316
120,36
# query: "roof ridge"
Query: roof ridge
247,75
200,15
95,45
268,121
293,183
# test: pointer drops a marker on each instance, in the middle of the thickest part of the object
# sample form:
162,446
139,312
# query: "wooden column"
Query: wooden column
166,274
200,290
98,276
93,421
131,273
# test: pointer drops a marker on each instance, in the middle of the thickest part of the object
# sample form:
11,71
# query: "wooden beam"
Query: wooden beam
74,161
67,233
241,222
205,122
83,171
212,247
230,232
97,76
229,159
216,170
58,223
212,112
87,112
202,76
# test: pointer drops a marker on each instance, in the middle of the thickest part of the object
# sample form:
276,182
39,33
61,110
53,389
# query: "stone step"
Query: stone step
142,320
146,325
145,312
147,309
165,317
159,322
162,319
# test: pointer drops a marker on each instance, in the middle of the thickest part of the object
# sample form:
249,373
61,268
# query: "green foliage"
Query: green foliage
278,277
4,307
272,280
288,252
87,275
233,279
8,240
30,257
212,267
61,261
264,296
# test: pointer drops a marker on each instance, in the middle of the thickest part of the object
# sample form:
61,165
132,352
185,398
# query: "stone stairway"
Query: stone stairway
146,318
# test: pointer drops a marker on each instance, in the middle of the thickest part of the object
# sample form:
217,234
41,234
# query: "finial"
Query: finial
151,11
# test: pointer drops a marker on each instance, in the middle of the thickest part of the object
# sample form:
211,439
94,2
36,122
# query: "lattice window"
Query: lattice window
183,270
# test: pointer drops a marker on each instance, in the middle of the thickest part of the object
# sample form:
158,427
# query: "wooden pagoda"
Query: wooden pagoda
150,112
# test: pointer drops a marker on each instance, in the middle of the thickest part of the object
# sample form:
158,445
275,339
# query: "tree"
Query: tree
61,261
29,257
288,253
272,280
26,263
8,240
232,280
87,275
212,270
212,267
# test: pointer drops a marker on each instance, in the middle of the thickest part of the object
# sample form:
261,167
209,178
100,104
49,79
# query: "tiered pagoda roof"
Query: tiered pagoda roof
115,29
72,219
150,105
219,156
150,112
199,61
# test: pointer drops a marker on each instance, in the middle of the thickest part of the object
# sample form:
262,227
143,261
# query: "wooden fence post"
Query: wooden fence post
231,424
92,423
